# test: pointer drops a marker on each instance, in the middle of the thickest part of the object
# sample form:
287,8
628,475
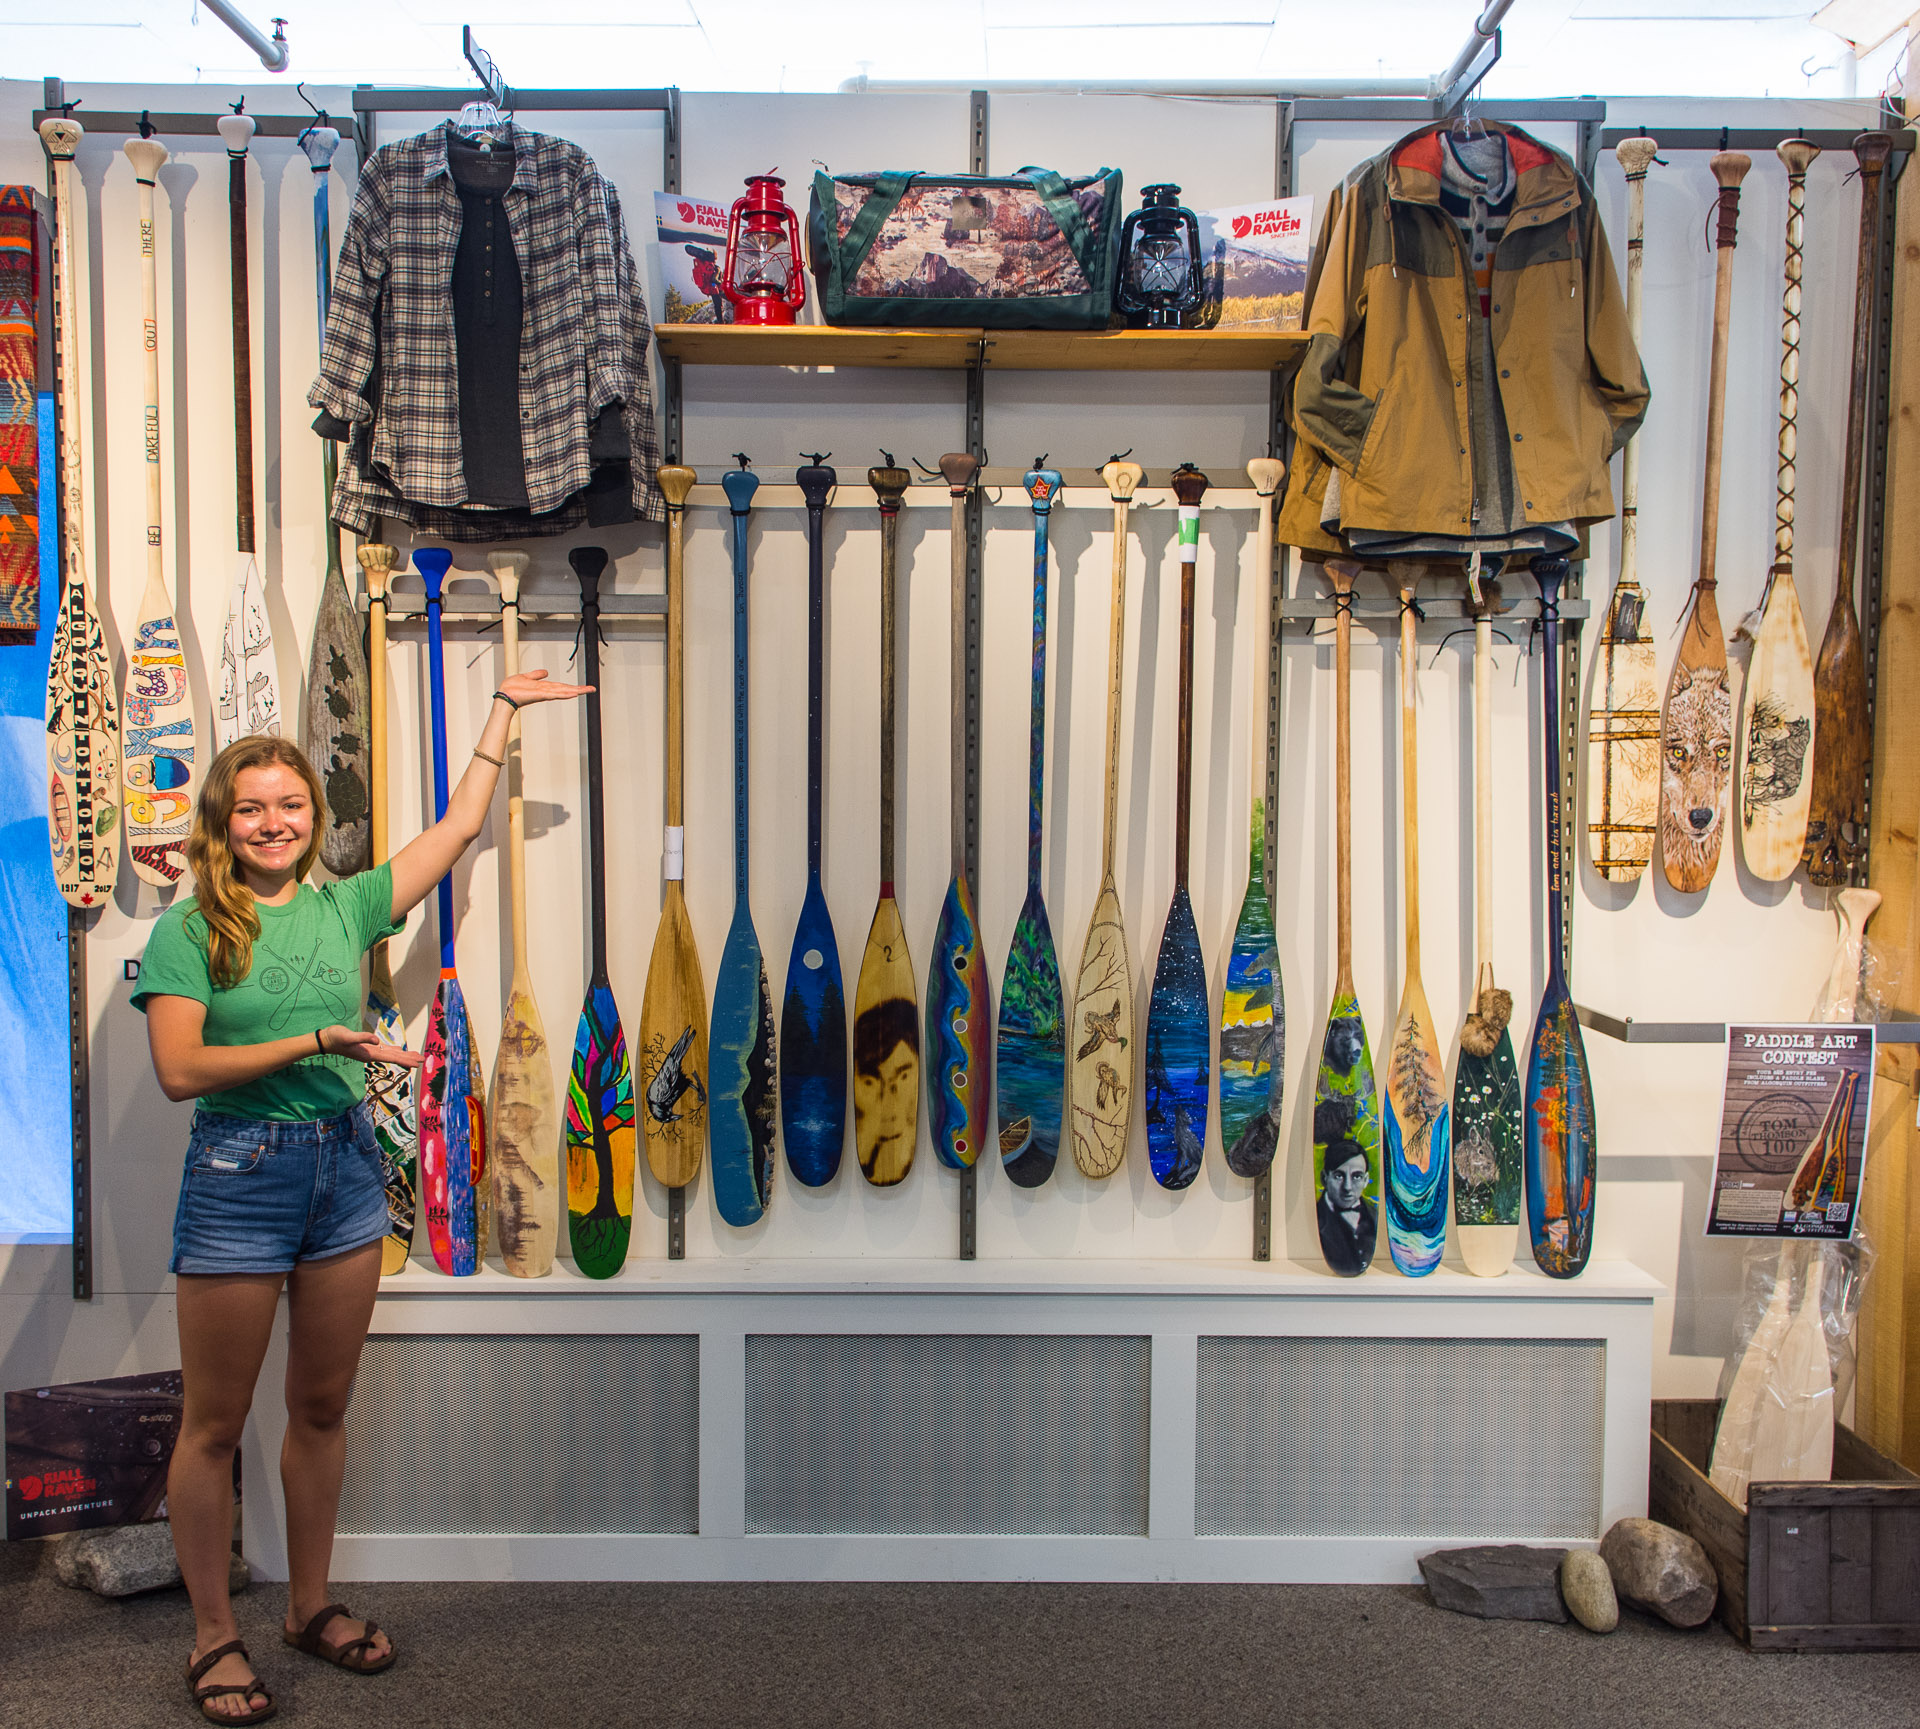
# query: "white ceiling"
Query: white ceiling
1552,47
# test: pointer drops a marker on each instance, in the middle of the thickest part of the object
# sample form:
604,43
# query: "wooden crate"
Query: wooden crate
1809,1566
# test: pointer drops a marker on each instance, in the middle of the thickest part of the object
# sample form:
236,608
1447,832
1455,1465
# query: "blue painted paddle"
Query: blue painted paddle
1030,1054
813,1018
741,1075
1178,1080
1561,1138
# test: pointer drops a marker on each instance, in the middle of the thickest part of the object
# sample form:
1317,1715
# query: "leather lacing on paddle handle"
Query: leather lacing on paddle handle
1723,218
1410,603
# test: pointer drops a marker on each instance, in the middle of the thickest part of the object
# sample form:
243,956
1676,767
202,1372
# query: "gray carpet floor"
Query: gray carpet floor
1050,1656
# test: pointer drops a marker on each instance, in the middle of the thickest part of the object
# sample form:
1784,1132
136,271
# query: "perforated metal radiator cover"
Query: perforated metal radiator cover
560,1434
947,1435
1370,1437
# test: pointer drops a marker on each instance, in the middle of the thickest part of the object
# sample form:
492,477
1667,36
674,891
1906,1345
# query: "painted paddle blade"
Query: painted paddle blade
523,1142
673,1050
813,1047
1346,1143
1178,1076
1560,1138
249,683
1487,1156
959,1012
1417,1123
83,755
446,1134
741,1076
390,1101
1623,743
1101,1073
337,705
158,758
886,1052
600,1137
1030,1050
1253,1025
1774,782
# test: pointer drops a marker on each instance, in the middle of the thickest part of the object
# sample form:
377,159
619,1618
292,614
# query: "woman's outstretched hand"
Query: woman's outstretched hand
535,686
363,1047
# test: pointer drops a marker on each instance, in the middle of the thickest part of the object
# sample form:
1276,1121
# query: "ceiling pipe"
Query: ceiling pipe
272,51
1485,28
1261,87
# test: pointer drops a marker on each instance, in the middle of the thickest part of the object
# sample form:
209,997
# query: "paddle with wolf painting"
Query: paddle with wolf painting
886,1012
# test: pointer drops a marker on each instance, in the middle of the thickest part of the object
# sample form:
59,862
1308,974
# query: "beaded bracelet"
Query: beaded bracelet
502,695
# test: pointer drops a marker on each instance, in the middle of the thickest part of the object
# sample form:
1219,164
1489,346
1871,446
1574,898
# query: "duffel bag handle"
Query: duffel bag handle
1065,210
888,190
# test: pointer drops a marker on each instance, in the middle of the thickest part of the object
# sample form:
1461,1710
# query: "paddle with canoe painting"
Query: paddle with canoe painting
742,1081
599,1117
1030,1051
886,1012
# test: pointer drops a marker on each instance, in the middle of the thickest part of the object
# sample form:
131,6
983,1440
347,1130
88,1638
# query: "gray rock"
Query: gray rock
126,1560
1588,1588
1660,1570
1496,1581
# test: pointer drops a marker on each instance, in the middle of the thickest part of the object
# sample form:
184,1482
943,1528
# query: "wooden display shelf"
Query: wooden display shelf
1004,350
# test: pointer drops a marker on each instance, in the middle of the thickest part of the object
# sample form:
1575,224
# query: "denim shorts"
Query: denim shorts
256,1197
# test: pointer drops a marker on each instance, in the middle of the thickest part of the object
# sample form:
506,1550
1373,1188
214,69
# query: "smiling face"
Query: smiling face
270,826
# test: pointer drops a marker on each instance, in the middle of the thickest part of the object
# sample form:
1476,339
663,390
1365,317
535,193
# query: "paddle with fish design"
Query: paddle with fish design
886,1014
813,1015
1030,1049
742,1079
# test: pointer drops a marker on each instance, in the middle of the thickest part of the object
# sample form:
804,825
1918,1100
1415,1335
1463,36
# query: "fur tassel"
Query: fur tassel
1487,1022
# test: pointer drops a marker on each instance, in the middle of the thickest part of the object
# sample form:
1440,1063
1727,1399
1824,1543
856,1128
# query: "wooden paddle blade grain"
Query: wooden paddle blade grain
1623,744
600,1137
1560,1139
673,1050
523,1143
83,755
813,1047
1487,1156
1253,1026
959,1050
1346,1127
742,1078
1178,1066
886,1052
337,718
160,749
390,1103
1774,782
1030,1050
1417,1121
1696,752
1842,746
1101,1045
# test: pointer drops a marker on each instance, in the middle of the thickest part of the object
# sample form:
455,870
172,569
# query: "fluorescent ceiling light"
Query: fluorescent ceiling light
1865,23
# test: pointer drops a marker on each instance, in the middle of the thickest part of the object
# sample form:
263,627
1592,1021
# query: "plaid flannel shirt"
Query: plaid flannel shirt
387,368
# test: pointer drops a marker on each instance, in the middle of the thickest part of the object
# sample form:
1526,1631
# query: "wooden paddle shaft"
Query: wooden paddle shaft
1729,169
1266,473
676,483
1871,150
588,562
1341,573
1189,485
235,131
1483,797
1041,483
376,565
146,155
816,481
1408,578
1550,573
1635,154
958,469
1797,154
1121,478
508,569
319,143
889,484
62,139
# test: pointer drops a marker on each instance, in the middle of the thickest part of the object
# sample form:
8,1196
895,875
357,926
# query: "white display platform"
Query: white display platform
1161,1403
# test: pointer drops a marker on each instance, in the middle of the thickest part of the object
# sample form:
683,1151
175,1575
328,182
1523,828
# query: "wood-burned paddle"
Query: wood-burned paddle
673,1012
1776,728
1561,1141
337,694
1415,1109
1253,1009
83,712
886,1010
1177,1063
742,1078
390,1086
1487,1131
1696,733
160,754
249,700
813,1014
452,1121
1836,842
600,1131
1346,1109
1100,1074
1030,1047
1623,737
523,1110
959,1051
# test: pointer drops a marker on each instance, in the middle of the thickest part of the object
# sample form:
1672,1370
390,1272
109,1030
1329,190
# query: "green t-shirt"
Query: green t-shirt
305,976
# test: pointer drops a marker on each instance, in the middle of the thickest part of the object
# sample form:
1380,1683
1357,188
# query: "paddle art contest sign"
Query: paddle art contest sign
1793,1131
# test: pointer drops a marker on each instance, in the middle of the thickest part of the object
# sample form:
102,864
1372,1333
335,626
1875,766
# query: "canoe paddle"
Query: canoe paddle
1030,1051
1253,1010
959,999
886,1014
1177,1077
1346,1111
1560,1138
742,1080
813,1015
600,1132
1100,1075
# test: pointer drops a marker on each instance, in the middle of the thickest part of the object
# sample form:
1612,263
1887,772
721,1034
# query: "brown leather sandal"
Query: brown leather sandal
203,1695
347,1656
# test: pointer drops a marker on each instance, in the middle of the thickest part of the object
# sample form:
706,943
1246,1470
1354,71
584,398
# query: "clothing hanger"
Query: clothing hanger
1466,123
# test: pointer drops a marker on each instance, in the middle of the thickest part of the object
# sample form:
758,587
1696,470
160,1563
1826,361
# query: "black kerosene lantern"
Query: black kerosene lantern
1161,279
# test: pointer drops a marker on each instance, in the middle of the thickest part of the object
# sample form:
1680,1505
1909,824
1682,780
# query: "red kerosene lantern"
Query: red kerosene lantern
763,280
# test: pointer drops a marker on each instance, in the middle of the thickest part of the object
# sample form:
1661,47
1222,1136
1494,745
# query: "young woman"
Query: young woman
252,995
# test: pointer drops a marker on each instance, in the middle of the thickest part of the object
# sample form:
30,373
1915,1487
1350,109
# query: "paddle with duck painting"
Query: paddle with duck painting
959,1054
813,1015
1346,1108
1030,1049
742,1080
673,1012
599,1119
886,1012
83,712
1836,844
1416,1114
1696,733
337,695
1561,1141
157,767
1100,1074
1253,1011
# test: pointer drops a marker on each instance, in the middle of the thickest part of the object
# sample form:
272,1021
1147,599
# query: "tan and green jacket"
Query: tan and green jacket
1382,394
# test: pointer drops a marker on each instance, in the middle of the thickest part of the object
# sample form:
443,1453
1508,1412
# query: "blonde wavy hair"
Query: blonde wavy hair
225,901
